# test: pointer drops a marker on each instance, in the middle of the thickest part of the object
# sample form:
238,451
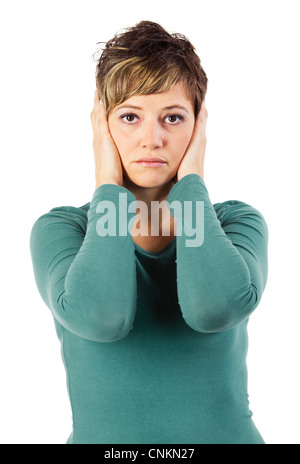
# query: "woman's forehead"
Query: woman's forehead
174,98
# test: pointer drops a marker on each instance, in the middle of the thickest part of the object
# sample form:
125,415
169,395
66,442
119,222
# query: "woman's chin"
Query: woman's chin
150,180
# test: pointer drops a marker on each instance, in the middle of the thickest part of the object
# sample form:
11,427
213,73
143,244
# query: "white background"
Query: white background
250,52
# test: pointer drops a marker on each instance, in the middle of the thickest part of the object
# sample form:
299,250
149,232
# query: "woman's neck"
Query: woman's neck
145,222
148,194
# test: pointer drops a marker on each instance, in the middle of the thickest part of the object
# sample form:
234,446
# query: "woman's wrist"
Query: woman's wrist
107,180
199,172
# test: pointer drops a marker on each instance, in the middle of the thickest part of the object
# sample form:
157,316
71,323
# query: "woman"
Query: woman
153,327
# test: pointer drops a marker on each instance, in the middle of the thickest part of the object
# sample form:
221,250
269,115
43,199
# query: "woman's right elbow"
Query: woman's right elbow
112,329
98,326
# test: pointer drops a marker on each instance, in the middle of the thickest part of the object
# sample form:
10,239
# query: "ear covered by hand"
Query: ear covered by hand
193,159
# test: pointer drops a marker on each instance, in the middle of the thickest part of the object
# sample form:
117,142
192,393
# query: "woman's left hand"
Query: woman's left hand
193,159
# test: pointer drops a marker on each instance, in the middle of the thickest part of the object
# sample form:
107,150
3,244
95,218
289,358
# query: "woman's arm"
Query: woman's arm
87,280
222,281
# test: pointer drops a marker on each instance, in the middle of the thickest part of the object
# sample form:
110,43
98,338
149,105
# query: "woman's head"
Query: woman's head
145,60
150,70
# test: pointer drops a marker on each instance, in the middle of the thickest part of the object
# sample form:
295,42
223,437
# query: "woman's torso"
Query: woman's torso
164,382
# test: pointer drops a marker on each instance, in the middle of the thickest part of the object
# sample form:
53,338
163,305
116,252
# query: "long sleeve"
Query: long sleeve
221,281
88,280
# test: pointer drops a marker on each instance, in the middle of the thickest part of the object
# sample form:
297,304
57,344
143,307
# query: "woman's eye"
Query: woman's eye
128,117
173,118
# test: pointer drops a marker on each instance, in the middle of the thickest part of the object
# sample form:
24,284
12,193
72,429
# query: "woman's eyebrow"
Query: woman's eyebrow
165,108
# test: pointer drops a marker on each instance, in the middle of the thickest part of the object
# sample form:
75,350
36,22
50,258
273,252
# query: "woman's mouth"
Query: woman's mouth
151,162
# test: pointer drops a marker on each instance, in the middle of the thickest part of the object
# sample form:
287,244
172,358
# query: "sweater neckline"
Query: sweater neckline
155,253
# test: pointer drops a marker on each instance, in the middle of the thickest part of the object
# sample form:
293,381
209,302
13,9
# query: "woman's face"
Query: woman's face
152,126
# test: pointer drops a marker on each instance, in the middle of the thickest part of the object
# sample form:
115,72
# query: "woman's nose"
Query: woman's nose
151,135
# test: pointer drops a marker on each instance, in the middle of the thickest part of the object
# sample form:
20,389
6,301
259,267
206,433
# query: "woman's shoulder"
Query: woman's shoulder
81,210
66,215
233,210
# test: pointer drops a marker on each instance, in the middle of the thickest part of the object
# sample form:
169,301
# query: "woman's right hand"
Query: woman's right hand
108,164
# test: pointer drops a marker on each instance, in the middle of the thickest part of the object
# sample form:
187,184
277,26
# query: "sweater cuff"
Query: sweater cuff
114,189
185,188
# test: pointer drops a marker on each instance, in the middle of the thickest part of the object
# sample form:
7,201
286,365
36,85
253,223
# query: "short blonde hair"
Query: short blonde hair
146,59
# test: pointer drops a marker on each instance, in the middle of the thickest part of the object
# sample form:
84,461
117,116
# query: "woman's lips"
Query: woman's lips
151,163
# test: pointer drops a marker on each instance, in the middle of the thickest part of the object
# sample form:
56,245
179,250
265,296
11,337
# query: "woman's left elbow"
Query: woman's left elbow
214,318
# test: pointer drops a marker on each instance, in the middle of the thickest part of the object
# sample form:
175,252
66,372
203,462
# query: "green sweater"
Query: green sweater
154,343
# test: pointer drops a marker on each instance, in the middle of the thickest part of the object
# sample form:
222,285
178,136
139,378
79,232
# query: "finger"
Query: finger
98,104
100,119
96,96
203,115
199,133
98,109
198,124
203,111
